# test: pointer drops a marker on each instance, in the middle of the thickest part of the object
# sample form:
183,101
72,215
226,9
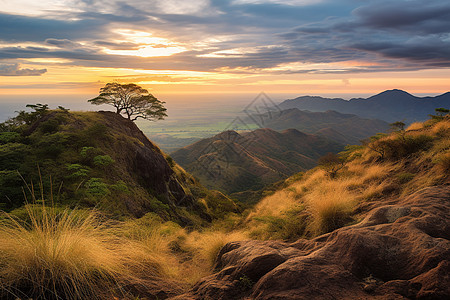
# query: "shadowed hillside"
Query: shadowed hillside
338,127
235,162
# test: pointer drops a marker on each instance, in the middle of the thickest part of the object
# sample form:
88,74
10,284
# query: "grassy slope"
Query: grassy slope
87,159
162,256
416,158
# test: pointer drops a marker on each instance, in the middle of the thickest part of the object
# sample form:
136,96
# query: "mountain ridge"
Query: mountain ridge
264,155
390,105
349,128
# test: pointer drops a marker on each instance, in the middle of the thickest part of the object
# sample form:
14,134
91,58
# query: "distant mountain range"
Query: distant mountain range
235,162
392,105
341,128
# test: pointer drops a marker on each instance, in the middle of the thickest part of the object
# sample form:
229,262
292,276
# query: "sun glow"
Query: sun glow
147,45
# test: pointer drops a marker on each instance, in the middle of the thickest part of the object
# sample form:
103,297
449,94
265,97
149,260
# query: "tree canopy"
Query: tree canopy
132,101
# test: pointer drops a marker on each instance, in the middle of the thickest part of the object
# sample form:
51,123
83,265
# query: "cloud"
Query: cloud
15,70
403,34
238,34
118,46
63,43
413,16
24,28
283,2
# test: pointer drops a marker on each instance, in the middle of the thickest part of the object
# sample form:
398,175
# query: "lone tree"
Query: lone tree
440,113
132,101
331,163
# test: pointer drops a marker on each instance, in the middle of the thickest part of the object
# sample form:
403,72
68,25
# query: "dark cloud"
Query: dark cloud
402,34
415,32
63,43
24,29
118,46
416,16
15,70
431,50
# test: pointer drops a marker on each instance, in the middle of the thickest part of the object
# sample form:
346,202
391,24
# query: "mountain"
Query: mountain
339,127
377,227
390,106
235,162
380,229
98,159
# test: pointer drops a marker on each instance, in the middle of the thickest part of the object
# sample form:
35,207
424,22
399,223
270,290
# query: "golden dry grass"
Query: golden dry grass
330,206
65,254
415,126
366,177
58,256
204,247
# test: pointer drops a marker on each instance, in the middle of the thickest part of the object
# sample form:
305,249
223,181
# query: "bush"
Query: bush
97,187
401,147
77,170
9,137
290,226
49,126
103,160
331,163
10,182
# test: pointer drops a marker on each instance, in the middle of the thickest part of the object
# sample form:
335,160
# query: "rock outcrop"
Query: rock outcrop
398,251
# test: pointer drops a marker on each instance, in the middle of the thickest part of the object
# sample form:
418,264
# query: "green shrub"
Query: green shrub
290,226
103,160
12,155
120,186
86,151
401,147
9,137
97,187
77,170
49,126
10,188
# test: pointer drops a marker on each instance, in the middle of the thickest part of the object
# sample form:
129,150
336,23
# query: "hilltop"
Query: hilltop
97,159
235,162
390,106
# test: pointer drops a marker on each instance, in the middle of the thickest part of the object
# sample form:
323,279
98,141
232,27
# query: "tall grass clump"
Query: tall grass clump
330,207
56,256
206,245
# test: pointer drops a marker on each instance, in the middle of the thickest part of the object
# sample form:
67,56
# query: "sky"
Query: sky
68,49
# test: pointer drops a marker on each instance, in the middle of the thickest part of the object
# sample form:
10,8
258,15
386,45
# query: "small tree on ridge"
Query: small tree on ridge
132,101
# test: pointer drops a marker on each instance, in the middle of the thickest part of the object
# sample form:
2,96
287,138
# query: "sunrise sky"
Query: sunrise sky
191,47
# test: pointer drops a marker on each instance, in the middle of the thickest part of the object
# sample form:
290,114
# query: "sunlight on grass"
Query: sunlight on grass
415,126
330,206
58,256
